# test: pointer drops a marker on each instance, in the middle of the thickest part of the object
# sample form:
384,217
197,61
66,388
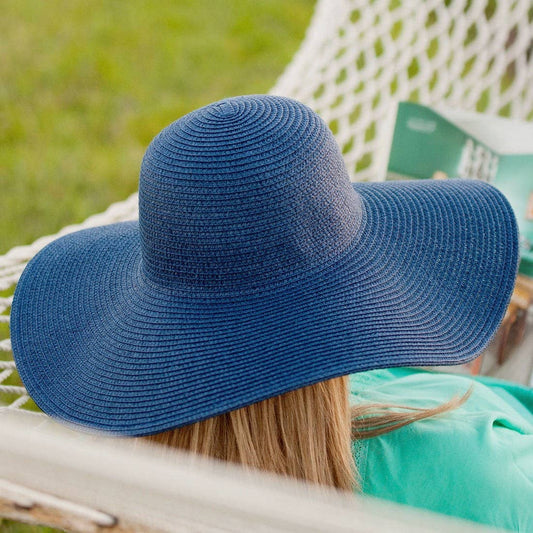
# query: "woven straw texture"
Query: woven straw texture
256,267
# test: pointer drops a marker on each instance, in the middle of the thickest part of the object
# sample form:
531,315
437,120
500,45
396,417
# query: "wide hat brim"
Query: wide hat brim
426,281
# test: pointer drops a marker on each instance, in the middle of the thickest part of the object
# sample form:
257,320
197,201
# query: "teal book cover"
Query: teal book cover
440,143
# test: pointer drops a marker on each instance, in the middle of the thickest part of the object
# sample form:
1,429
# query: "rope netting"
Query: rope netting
358,59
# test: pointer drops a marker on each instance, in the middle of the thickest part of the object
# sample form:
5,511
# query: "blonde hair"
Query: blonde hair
305,433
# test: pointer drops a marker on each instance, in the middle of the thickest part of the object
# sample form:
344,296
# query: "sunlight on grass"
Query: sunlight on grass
86,87
7,526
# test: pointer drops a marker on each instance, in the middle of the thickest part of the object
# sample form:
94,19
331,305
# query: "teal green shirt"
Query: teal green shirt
475,462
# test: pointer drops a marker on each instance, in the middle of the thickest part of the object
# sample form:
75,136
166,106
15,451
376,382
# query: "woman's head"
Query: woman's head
303,433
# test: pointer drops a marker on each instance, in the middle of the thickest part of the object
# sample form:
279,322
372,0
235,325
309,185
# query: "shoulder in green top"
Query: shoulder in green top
475,462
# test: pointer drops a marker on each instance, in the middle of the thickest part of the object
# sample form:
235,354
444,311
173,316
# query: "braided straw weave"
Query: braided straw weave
256,268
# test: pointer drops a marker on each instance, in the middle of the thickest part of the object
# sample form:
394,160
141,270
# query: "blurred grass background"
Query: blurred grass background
7,526
84,86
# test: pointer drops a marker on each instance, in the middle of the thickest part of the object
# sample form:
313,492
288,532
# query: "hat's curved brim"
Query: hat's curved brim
426,282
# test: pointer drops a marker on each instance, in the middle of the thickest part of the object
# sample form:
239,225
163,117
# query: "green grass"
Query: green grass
85,86
8,526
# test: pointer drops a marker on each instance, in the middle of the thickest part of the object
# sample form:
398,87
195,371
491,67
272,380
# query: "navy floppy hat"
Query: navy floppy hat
256,268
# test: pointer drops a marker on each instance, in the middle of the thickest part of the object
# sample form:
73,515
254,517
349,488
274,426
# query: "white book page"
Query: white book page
503,135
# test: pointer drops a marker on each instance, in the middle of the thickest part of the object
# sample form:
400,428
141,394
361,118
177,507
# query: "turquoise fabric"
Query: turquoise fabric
475,462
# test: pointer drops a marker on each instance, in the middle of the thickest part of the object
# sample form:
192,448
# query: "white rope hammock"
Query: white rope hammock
358,59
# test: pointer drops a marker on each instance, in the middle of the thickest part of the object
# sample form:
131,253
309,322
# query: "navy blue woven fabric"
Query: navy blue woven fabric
256,268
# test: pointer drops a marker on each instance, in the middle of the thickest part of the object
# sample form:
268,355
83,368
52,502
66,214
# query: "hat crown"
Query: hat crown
241,192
